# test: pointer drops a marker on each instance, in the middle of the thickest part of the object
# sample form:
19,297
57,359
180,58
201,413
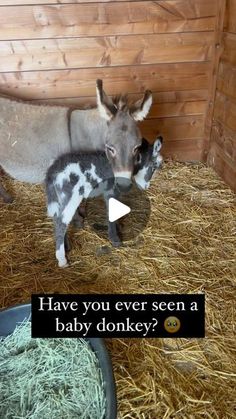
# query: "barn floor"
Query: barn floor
189,246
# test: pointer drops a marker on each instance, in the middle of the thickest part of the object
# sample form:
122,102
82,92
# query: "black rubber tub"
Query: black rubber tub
11,316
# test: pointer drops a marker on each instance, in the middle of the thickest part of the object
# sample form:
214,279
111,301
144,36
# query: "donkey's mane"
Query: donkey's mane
121,102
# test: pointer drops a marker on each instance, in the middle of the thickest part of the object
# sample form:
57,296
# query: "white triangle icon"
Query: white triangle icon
117,210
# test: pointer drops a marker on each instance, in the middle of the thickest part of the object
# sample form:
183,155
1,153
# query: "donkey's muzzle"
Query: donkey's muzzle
123,184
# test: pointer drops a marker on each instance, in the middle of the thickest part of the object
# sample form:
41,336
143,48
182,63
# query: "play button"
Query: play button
131,211
117,210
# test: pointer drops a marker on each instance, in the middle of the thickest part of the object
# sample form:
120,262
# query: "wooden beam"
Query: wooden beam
217,51
222,147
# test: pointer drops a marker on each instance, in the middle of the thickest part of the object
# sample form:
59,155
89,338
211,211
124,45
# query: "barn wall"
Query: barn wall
54,50
222,153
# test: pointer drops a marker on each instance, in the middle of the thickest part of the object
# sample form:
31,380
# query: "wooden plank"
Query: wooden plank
216,53
168,9
158,110
100,19
183,150
104,51
226,139
180,96
230,22
225,111
20,2
226,82
177,109
229,52
222,165
197,96
134,79
176,128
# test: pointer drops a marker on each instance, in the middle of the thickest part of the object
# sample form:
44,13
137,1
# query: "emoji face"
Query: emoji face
172,324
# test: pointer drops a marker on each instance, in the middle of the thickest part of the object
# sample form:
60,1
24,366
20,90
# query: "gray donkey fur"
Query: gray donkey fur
32,136
75,176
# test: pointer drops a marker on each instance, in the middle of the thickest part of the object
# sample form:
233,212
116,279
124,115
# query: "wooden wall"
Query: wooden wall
54,50
222,150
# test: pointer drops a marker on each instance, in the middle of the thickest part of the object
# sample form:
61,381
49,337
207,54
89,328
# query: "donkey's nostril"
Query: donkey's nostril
124,188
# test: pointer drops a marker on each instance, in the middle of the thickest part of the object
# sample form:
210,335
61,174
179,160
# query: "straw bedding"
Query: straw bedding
188,247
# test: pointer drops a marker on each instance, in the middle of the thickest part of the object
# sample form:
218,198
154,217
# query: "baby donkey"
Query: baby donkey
76,176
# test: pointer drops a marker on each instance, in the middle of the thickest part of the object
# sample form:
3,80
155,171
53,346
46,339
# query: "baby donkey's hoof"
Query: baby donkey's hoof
116,242
63,264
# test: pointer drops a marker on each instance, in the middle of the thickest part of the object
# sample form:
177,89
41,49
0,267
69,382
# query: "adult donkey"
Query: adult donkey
32,136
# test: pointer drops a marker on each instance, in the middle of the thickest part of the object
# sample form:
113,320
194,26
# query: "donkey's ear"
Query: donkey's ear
141,108
144,146
157,146
105,105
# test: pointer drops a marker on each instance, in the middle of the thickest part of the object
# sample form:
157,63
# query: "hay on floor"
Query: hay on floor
188,246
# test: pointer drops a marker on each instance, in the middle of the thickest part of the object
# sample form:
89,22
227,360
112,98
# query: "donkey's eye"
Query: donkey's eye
111,150
138,158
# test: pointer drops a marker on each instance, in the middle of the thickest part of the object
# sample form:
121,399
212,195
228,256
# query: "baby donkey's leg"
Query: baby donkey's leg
78,219
112,226
61,223
60,236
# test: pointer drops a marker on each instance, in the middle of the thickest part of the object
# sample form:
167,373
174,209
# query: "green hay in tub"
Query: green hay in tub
49,378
